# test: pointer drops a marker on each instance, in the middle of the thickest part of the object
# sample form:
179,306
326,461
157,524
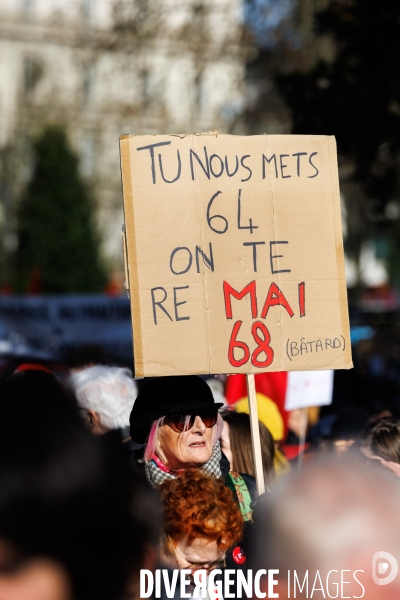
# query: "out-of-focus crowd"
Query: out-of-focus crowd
103,477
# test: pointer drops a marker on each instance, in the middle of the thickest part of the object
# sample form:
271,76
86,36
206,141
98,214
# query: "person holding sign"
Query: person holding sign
178,422
237,446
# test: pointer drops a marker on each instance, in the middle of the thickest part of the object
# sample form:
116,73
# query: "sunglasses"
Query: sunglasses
184,422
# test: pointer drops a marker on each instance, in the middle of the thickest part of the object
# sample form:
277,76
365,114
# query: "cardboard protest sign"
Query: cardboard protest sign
234,255
308,388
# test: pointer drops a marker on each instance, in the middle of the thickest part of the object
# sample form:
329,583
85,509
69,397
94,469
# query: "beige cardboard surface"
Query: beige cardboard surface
190,252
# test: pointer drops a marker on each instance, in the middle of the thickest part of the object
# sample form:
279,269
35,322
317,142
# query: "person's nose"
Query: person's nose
198,426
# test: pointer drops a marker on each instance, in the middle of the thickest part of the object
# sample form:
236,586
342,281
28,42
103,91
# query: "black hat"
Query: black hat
165,396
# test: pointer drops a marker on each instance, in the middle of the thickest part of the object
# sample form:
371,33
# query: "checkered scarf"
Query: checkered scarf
156,476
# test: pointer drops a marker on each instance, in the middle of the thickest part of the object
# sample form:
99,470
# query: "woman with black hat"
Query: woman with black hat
177,420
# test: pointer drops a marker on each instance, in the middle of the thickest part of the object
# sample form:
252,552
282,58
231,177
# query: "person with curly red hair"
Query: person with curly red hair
201,521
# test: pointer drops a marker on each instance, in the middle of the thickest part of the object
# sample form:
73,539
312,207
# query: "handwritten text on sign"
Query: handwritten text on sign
234,253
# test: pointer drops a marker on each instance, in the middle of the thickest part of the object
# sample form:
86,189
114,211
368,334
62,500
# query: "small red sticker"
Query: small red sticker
239,555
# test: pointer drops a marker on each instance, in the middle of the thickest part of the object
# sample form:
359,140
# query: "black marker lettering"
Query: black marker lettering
298,154
236,168
159,303
271,257
221,165
254,244
240,226
162,170
312,164
268,160
151,148
248,168
176,304
283,166
190,260
208,261
206,168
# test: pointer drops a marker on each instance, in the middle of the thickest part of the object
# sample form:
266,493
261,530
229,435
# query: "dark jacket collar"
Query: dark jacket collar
225,465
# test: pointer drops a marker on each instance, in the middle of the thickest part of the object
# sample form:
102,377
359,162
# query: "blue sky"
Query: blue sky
266,17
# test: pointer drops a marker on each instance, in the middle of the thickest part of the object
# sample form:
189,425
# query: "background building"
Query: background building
102,68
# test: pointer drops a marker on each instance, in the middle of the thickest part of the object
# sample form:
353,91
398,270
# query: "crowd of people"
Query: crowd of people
103,478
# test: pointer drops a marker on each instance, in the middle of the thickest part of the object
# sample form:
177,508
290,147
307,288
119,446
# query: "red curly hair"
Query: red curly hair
197,505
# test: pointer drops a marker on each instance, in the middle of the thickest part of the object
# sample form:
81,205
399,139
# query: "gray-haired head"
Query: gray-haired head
335,515
109,392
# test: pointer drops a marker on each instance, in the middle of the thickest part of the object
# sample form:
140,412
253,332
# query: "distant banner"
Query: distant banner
46,327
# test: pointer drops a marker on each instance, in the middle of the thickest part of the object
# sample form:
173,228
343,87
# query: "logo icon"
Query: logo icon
380,566
239,555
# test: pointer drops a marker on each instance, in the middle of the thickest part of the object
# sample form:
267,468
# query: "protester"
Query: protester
201,521
177,420
270,416
268,413
380,441
347,427
146,511
106,396
236,444
67,525
323,528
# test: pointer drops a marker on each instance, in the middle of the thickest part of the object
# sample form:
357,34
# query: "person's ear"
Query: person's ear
90,419
93,422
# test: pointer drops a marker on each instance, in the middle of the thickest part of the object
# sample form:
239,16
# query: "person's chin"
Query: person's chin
199,454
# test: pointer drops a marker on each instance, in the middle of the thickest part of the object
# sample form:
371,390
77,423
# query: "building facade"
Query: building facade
103,68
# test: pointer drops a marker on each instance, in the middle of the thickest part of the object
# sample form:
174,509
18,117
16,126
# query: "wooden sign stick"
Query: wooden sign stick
255,434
